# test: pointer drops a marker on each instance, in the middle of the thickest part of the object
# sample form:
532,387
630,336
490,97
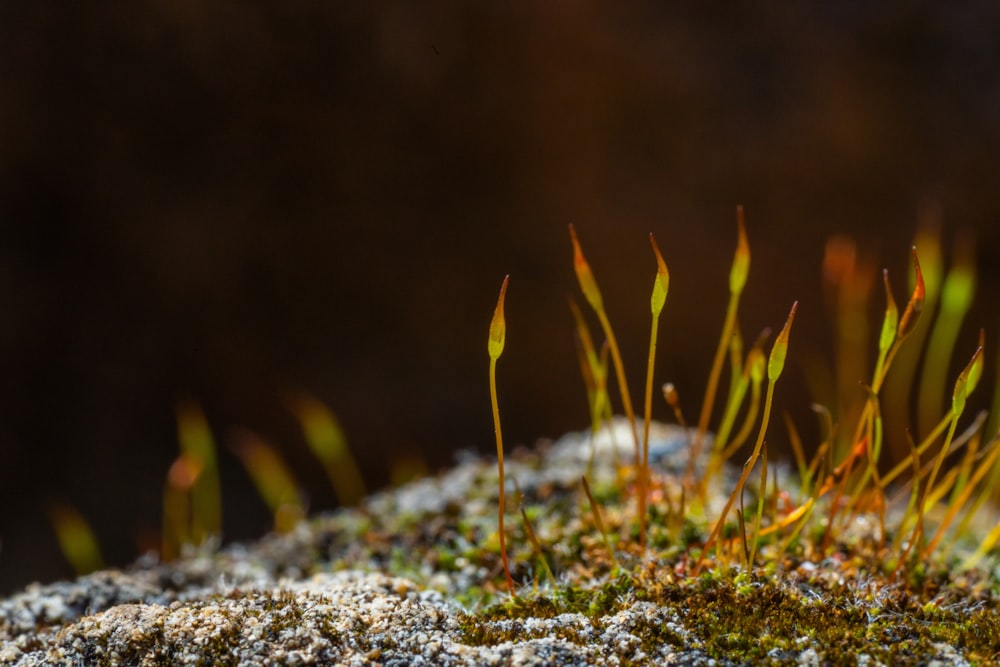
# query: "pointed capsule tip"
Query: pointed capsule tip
498,325
791,314
783,334
660,263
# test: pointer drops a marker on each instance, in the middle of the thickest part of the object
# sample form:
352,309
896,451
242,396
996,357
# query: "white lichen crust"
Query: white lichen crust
397,580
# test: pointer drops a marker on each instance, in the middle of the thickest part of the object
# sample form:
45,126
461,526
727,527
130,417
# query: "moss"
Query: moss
762,619
814,580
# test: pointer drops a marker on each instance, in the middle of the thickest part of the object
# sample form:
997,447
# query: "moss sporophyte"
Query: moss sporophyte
852,536
876,544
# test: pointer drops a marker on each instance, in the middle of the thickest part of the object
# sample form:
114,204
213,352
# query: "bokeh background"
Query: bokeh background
225,201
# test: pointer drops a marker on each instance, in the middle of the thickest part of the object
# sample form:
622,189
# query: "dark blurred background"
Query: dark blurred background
224,201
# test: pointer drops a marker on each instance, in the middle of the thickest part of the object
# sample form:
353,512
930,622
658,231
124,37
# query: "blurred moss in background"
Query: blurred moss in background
226,202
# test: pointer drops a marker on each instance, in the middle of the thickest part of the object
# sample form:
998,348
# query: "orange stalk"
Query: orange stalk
588,285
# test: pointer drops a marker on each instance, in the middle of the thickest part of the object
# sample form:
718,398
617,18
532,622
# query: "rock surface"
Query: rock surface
399,581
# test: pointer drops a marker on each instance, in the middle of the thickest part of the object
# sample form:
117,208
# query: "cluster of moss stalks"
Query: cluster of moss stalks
873,543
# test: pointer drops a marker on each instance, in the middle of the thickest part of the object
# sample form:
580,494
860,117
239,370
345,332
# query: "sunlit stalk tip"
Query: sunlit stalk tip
776,362
662,283
741,261
498,326
916,304
588,284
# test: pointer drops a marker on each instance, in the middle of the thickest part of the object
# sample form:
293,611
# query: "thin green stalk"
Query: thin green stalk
495,345
966,381
795,439
911,505
757,365
895,330
960,499
985,493
737,281
900,384
760,505
600,522
775,365
536,546
660,287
